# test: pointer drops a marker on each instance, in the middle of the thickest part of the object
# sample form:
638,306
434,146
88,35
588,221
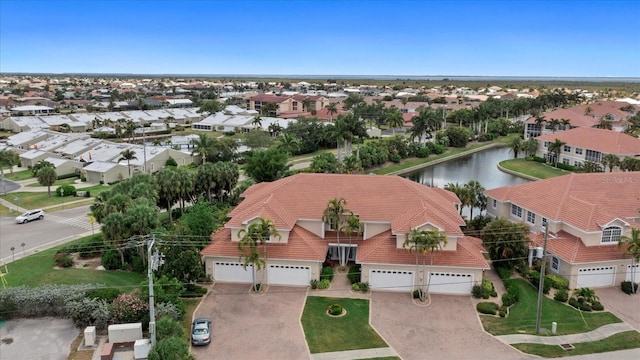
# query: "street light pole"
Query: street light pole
144,150
13,254
541,282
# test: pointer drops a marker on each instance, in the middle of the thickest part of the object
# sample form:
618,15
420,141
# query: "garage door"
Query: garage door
451,283
232,272
596,276
289,275
636,273
391,280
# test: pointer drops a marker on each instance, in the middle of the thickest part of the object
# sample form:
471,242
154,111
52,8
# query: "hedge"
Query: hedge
489,308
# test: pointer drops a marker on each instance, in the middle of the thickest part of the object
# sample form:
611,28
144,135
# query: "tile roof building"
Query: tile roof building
586,215
388,207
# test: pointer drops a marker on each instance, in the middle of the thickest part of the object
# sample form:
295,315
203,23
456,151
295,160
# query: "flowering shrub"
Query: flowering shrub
88,312
129,308
48,300
167,310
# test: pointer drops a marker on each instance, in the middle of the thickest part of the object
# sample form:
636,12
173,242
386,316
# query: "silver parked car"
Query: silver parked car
201,331
30,216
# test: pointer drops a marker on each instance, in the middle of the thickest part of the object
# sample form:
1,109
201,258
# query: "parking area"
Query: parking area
247,326
44,338
626,307
446,329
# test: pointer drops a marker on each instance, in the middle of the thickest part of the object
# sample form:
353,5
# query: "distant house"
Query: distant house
105,172
388,207
588,144
178,103
31,110
586,215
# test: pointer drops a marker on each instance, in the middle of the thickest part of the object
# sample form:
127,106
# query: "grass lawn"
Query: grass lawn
532,168
5,211
621,341
190,305
70,181
349,332
34,200
19,175
38,269
522,316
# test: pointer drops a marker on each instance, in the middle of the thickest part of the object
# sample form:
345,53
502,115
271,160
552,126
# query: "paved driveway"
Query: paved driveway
446,329
626,307
37,339
254,327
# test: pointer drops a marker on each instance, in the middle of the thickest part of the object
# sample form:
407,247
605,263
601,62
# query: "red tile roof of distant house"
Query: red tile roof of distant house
576,119
585,201
402,202
268,98
605,141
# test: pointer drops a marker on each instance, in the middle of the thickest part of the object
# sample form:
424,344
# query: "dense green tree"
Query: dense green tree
46,177
633,248
530,146
201,220
211,106
203,146
516,145
394,120
267,165
288,143
326,163
167,189
555,148
8,158
332,109
167,327
506,242
611,161
171,348
257,139
183,262
458,136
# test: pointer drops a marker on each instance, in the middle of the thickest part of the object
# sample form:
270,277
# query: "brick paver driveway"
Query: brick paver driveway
626,307
254,327
447,329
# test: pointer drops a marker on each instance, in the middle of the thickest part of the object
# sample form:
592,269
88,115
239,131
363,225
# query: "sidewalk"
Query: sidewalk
600,333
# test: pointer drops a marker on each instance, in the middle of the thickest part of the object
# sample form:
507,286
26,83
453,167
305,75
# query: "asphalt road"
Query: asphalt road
56,228
7,186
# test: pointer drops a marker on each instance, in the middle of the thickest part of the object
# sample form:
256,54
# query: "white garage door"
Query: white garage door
391,280
596,276
289,275
451,283
232,272
636,273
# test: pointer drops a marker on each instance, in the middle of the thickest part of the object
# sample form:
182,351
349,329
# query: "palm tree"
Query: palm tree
435,241
530,146
555,148
332,109
128,155
516,145
202,145
306,103
476,194
394,119
588,111
333,218
610,161
540,120
461,192
633,249
566,124
289,143
353,226
423,242
257,121
554,123
257,233
604,124
46,177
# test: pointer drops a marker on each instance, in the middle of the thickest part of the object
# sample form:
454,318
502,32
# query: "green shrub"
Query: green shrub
494,293
561,295
597,306
327,273
557,282
68,190
354,274
628,287
504,272
574,302
364,286
416,294
355,287
324,284
193,290
63,260
489,308
314,284
111,259
476,291
534,279
106,294
565,167
335,309
539,159
508,299
584,306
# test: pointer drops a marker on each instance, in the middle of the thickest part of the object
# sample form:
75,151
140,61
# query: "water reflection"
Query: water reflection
481,166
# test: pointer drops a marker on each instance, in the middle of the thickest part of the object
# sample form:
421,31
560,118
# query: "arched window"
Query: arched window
611,234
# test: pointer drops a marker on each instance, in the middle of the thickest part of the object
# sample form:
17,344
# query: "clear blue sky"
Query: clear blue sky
484,38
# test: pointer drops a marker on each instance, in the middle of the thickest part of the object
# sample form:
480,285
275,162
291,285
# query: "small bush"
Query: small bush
416,294
364,286
585,306
504,272
111,259
106,294
193,290
494,293
354,274
539,159
628,287
574,302
476,291
355,287
557,282
335,309
561,295
508,299
67,190
327,273
314,284
489,308
324,284
597,306
63,260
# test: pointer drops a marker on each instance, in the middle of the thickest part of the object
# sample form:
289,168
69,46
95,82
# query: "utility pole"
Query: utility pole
144,149
541,283
153,262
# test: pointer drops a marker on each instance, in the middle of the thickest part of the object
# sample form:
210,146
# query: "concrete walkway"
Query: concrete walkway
355,354
600,333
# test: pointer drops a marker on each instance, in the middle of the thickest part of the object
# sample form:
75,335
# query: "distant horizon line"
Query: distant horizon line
343,77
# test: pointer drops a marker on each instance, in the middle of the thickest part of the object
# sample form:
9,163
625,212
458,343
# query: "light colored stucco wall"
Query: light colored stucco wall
313,226
373,229
316,266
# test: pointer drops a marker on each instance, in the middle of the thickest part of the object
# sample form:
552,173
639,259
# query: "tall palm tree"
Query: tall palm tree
333,217
540,120
555,148
435,240
633,249
289,143
257,233
516,145
257,121
394,119
128,155
306,104
530,146
610,161
604,124
555,124
202,146
566,124
332,109
461,192
476,194
352,226
422,242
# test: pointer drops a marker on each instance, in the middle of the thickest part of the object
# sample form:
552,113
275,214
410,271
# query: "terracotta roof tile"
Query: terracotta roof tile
605,141
573,250
586,201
